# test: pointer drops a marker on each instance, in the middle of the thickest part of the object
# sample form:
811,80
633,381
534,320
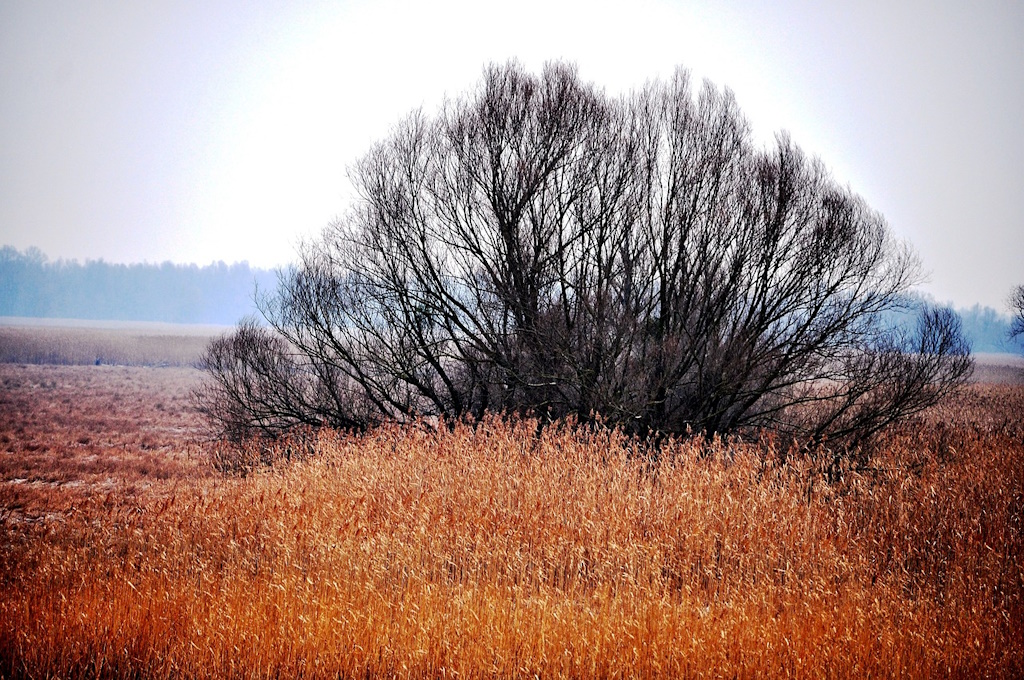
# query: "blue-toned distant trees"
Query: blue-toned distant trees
32,286
539,247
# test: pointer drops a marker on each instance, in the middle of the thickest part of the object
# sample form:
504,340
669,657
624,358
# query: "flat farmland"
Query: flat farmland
498,550
93,427
81,342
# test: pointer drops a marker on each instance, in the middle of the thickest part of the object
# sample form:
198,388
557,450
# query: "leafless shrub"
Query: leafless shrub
541,248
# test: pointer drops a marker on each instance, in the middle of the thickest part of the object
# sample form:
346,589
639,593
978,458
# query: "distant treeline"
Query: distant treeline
987,329
33,286
219,293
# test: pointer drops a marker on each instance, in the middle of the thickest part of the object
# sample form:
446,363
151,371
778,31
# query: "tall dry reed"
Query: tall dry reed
495,551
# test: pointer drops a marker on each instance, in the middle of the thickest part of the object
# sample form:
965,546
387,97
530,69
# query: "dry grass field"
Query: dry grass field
495,551
77,342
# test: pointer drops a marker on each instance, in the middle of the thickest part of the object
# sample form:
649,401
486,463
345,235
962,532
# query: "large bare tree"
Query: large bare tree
541,247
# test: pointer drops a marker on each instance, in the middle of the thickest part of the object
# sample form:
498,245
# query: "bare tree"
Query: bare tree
539,247
1017,308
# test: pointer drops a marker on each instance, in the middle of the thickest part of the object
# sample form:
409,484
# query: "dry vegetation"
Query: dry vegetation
998,369
85,343
70,432
494,551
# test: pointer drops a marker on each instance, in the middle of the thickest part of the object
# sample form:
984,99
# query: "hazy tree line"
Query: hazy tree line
33,286
985,329
988,330
539,247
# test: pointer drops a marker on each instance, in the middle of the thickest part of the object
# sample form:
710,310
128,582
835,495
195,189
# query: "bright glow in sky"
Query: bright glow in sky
214,130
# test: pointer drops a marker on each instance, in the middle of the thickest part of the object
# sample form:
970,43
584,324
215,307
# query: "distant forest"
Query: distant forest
987,329
33,286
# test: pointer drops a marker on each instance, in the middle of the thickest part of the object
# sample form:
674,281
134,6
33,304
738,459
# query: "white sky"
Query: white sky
202,131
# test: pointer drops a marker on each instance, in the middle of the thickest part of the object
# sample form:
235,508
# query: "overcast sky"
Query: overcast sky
202,131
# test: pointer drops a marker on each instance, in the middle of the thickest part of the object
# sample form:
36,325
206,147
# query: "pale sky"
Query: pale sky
216,130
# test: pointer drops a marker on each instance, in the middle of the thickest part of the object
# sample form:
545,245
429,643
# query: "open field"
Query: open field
999,369
78,342
495,551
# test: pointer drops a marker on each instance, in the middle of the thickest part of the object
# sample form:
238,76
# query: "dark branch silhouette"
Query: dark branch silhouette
1017,308
540,247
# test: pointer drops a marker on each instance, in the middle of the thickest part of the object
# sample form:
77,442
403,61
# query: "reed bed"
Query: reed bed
506,549
127,345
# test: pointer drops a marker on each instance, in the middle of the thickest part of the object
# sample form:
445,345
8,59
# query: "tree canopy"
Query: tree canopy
540,247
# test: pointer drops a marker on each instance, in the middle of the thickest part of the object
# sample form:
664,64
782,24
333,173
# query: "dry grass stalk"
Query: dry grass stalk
494,551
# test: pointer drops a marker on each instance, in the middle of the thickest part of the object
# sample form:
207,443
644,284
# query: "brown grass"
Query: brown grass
88,343
495,552
999,369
